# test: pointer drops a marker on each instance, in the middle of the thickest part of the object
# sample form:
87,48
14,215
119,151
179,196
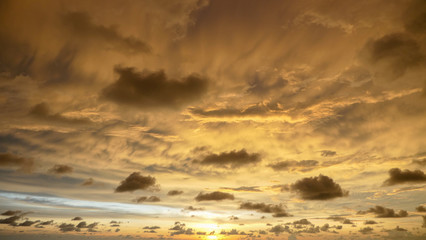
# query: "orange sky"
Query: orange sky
220,119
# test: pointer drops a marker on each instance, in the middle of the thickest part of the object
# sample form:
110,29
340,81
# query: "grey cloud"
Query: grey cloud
302,166
148,90
174,192
382,212
179,228
152,227
277,210
148,199
68,227
136,181
28,223
81,25
368,222
231,159
10,220
191,208
10,160
302,222
397,176
61,169
318,188
77,219
278,229
214,196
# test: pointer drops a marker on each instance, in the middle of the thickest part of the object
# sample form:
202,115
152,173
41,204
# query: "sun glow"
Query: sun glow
212,237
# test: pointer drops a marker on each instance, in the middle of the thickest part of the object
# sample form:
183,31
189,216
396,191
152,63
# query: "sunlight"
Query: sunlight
212,237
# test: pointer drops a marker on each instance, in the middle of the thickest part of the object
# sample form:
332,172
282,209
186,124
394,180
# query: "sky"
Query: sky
220,119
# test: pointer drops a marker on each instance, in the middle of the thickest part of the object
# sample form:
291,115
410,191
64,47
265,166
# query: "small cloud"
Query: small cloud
318,188
369,222
152,227
88,182
174,192
191,208
11,213
277,210
232,159
302,166
214,196
278,229
77,219
136,181
382,212
242,189
302,222
148,199
60,169
396,176
328,153
366,230
420,209
25,165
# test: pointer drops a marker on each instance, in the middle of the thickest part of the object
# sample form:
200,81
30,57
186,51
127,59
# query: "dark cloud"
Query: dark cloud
77,219
42,112
277,210
231,159
11,213
421,209
366,230
136,181
81,26
28,223
88,182
10,220
396,176
302,222
61,169
328,153
397,51
318,188
151,227
174,192
368,222
303,166
149,90
347,221
214,196
148,199
415,17
179,228
243,189
382,212
9,160
278,229
191,208
68,228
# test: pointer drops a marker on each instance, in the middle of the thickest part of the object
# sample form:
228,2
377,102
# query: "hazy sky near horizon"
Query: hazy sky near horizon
220,119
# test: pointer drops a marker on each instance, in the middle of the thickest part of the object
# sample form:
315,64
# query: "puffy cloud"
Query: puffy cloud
61,169
318,188
68,227
136,181
277,210
77,219
303,166
10,160
278,229
214,196
174,192
150,90
148,199
179,228
368,222
303,221
231,159
382,212
397,176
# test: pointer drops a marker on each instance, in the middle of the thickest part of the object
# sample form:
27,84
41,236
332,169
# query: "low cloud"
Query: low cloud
9,160
88,182
60,169
77,219
232,159
420,209
302,166
397,176
242,189
318,188
136,181
174,192
149,90
148,199
11,213
369,222
278,229
214,196
382,212
277,210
